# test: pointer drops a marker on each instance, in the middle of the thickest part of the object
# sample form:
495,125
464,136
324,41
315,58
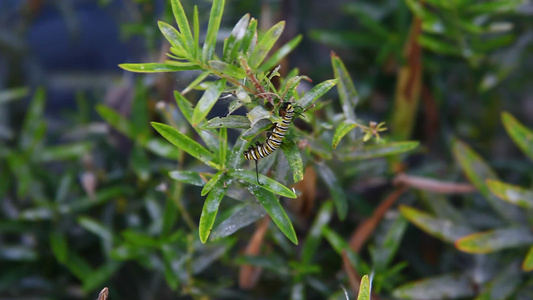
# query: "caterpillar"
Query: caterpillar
274,138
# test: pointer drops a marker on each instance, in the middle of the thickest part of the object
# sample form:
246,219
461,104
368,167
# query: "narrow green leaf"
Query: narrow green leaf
100,276
208,136
212,29
139,115
171,34
59,246
96,228
178,53
230,70
190,177
102,196
249,36
275,211
236,155
275,59
171,267
116,120
364,289
208,260
335,189
477,171
159,147
511,193
170,216
233,121
345,39
185,143
268,184
234,40
196,29
495,240
376,151
318,91
211,183
183,25
184,105
342,248
256,128
347,92
493,7
441,206
64,186
210,210
258,113
158,67
208,100
527,264
199,79
245,216
19,166
503,284
364,17
386,248
13,94
63,152
521,135
442,229
336,241
341,130
238,103
33,126
292,153
438,45
265,44
315,233
139,238
223,139
184,65
450,286
288,87
78,266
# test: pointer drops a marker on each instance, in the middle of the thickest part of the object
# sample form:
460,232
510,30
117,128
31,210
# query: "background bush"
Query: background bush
87,200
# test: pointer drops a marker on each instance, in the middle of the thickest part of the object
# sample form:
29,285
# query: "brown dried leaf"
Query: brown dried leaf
365,229
433,185
248,275
306,201
104,293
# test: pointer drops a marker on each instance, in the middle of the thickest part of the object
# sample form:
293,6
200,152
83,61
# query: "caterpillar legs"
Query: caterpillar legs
257,173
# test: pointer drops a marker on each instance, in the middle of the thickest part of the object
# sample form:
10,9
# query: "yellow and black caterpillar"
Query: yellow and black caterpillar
274,138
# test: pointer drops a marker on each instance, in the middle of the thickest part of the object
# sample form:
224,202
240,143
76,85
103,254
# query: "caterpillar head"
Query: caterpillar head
286,106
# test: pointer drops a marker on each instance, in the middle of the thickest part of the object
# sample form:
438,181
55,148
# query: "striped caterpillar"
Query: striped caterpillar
274,138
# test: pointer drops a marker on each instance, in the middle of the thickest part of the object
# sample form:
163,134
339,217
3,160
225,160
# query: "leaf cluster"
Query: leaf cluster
508,238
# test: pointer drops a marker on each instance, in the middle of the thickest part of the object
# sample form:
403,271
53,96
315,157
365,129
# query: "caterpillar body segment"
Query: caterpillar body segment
274,138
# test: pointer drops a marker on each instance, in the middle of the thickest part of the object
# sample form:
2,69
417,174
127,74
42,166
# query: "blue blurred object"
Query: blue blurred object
92,43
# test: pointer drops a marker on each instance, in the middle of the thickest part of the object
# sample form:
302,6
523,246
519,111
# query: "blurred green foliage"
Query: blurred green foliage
165,213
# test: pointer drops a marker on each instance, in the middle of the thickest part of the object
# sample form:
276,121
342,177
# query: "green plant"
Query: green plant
242,71
242,74
508,235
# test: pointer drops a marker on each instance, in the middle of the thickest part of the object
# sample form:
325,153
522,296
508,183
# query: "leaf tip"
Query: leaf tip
203,239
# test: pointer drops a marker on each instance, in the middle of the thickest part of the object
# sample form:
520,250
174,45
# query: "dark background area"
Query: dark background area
71,50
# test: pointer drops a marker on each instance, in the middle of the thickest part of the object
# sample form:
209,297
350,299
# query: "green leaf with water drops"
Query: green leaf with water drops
210,209
185,143
267,183
275,211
